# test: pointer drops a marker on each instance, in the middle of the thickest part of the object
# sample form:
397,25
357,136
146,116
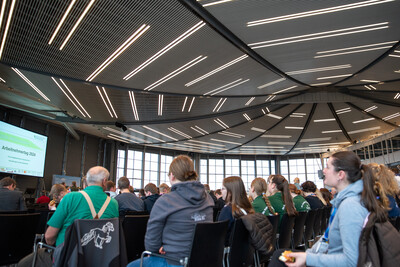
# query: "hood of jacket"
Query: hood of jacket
192,191
353,189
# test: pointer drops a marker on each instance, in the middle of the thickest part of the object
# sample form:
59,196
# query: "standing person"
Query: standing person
237,203
151,195
297,183
43,199
356,197
260,202
300,203
280,197
73,187
9,198
128,201
174,215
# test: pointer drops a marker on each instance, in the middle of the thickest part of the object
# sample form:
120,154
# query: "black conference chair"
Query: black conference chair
325,219
274,220
18,234
134,227
207,246
298,229
317,224
241,252
308,228
285,231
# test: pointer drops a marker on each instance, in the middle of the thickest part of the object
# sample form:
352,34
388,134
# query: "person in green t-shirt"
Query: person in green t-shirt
260,202
280,198
300,203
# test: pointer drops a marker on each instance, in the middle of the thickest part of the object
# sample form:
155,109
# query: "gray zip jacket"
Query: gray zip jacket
173,217
345,230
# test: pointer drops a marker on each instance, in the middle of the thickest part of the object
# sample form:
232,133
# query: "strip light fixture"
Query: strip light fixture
263,111
147,135
369,81
105,103
190,106
294,127
221,123
247,117
2,80
330,144
297,115
320,35
395,55
276,136
269,98
179,132
119,51
73,96
175,72
224,141
216,3
77,23
280,143
124,134
206,143
175,42
316,12
249,101
354,49
62,21
226,87
370,87
20,74
391,116
260,147
219,104
365,130
198,146
319,84
199,130
334,77
325,120
119,138
315,139
217,70
370,108
283,90
274,116
160,133
397,96
337,67
359,121
331,131
235,135
10,14
133,104
271,83
258,129
343,110
160,104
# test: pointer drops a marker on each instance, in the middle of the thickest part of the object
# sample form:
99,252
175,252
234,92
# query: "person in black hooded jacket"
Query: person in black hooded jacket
151,193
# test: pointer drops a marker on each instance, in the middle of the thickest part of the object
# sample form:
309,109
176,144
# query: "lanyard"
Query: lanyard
325,238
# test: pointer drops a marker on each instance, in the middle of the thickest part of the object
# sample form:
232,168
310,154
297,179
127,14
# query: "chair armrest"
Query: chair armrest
41,245
183,261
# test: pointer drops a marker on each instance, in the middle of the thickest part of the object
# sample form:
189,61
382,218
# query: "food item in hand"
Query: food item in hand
285,258
52,203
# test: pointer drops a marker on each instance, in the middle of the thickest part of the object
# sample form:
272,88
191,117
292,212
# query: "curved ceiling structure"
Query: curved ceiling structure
228,77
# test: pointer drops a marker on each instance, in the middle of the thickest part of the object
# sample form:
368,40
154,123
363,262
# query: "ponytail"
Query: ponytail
283,186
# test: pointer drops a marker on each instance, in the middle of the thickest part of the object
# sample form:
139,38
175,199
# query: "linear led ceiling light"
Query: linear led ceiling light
231,134
370,87
271,83
133,104
343,110
108,102
316,12
369,119
226,87
160,133
30,83
397,96
320,35
246,116
331,131
260,147
2,80
147,135
395,55
224,141
258,129
249,101
269,98
334,77
119,51
217,70
221,123
124,134
216,3
179,132
190,106
370,108
395,115
160,104
337,67
3,41
294,127
280,143
219,104
365,130
297,115
315,139
62,21
370,81
274,116
276,136
199,130
330,144
354,49
175,72
206,143
119,138
325,120
182,37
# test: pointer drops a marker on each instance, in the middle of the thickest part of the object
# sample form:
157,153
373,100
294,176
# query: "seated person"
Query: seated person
260,202
43,199
174,215
299,201
9,198
220,201
164,189
57,192
309,189
327,196
110,189
151,193
128,201
211,193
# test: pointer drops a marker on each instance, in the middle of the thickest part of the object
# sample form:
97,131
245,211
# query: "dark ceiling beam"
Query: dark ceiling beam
207,116
371,115
314,106
373,99
269,129
339,122
370,65
220,28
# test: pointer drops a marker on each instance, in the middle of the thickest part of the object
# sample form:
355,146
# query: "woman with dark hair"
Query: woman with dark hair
299,201
280,197
260,202
174,215
326,195
237,203
357,195
309,190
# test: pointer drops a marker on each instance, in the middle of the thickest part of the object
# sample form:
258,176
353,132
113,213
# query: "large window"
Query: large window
284,168
232,167
263,169
215,173
203,171
165,162
121,163
134,168
248,172
150,168
314,169
297,169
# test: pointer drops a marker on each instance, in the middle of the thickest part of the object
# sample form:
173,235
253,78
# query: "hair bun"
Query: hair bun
190,175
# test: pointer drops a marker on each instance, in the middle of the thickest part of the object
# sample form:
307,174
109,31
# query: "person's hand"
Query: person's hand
161,251
300,259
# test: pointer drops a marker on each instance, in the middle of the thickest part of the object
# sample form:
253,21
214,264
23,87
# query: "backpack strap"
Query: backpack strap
92,210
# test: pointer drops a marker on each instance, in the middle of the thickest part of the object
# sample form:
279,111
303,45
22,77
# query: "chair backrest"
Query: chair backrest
317,222
134,227
274,220
285,231
18,234
123,213
44,215
94,243
325,218
208,244
298,230
309,226
241,251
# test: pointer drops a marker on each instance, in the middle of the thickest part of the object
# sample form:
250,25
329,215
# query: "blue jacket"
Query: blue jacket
344,231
